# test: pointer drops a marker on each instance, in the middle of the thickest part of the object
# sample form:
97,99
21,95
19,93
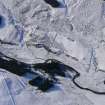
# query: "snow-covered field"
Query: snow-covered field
71,32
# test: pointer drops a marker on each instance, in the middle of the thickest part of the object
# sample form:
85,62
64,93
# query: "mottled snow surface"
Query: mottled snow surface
71,32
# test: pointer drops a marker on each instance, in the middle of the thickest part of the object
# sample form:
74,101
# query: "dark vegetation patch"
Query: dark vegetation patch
42,83
53,3
13,66
51,67
2,21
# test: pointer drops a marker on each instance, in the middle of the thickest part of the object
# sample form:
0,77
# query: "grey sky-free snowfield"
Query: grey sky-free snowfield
73,33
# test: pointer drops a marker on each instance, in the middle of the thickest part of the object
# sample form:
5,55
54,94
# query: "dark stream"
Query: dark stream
51,67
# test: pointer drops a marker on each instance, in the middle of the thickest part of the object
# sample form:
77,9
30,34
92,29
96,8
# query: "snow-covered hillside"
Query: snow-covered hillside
70,32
